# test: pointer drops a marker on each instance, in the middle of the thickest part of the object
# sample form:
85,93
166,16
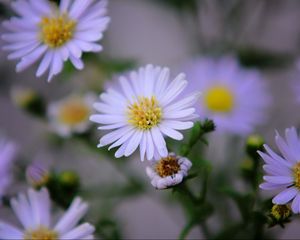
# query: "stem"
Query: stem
185,231
205,230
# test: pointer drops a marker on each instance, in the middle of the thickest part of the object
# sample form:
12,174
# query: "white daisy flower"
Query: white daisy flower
33,212
71,114
235,98
283,171
7,155
55,34
145,108
168,171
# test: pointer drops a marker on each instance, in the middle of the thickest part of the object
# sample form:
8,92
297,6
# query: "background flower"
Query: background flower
234,97
71,114
8,152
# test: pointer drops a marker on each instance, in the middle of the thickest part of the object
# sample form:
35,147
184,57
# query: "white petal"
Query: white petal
285,196
71,217
80,232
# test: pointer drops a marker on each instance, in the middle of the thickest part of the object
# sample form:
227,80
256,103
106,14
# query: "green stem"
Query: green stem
186,230
205,230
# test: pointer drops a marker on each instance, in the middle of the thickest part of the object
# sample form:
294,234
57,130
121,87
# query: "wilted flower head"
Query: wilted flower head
235,98
55,34
7,154
283,171
33,212
168,171
144,108
71,114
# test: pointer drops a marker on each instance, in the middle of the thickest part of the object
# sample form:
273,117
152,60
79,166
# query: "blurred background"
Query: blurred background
263,34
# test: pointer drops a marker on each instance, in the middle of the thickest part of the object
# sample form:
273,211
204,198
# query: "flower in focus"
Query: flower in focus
145,108
283,171
7,154
55,34
168,171
34,214
234,98
71,114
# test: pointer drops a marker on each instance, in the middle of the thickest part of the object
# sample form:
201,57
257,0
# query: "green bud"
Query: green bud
29,100
68,179
208,126
253,144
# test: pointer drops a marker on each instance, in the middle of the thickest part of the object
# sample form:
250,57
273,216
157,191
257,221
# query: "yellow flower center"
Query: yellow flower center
296,171
219,99
56,31
145,113
40,233
73,112
280,212
167,166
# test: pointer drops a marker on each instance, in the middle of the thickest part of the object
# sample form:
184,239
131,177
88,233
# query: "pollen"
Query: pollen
219,99
41,233
296,172
73,112
56,31
167,166
145,113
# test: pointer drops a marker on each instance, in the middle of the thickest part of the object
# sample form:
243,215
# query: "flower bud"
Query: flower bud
253,144
281,212
37,175
69,179
28,100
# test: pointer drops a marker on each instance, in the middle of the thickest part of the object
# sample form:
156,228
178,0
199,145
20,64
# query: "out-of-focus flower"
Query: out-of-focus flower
168,171
37,174
235,98
55,34
33,211
146,108
7,155
283,172
71,114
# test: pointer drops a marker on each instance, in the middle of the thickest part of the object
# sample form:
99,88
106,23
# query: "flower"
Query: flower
37,174
55,34
283,171
7,155
33,211
168,171
233,97
71,114
145,108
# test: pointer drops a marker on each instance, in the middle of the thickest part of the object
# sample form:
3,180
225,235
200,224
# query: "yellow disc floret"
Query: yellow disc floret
280,212
56,31
145,113
167,166
219,99
73,112
41,233
296,171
